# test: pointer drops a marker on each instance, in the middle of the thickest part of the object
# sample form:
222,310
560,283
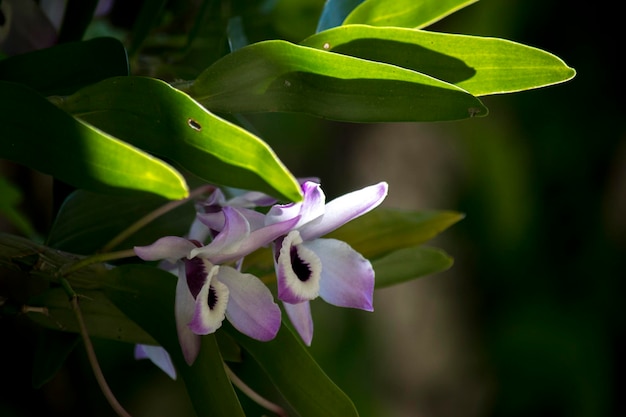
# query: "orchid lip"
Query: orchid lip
299,270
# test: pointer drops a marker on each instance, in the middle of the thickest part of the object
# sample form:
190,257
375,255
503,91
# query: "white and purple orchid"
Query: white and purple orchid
308,266
208,291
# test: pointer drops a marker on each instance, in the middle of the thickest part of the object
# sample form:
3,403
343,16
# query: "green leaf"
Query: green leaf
335,12
102,318
42,262
148,16
53,347
76,64
296,375
479,65
78,15
163,120
235,30
84,223
280,76
11,198
146,295
37,134
404,13
409,263
384,230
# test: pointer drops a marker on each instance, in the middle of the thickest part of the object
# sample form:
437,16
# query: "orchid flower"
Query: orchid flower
207,291
308,266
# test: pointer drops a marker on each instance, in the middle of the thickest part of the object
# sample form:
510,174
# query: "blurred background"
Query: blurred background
526,323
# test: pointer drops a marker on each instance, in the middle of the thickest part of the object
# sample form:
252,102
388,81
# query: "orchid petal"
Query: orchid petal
251,308
236,229
215,221
183,309
311,208
345,208
210,305
300,316
256,219
298,270
171,248
347,278
252,199
198,231
158,356
261,237
216,200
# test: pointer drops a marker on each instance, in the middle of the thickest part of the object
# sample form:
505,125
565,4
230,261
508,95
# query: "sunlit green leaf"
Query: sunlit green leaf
479,65
37,134
280,76
76,64
296,375
156,117
384,230
146,295
84,223
409,263
404,13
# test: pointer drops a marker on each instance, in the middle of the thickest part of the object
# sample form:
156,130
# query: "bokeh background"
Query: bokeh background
528,322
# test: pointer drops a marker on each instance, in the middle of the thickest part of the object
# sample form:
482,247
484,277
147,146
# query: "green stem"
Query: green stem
91,354
98,258
253,395
133,228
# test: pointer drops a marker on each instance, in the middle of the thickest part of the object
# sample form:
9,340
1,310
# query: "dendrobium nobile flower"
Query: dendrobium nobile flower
208,291
308,266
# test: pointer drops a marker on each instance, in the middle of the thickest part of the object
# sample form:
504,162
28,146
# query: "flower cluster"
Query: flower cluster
211,285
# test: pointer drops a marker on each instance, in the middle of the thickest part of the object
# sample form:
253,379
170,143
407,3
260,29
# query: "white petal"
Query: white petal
158,356
251,308
183,309
300,316
298,270
171,248
198,231
347,278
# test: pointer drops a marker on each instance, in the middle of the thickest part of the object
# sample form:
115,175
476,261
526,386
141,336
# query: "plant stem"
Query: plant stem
133,228
253,395
91,354
102,257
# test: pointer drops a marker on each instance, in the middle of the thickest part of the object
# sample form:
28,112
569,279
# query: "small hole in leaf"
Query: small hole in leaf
194,125
473,111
